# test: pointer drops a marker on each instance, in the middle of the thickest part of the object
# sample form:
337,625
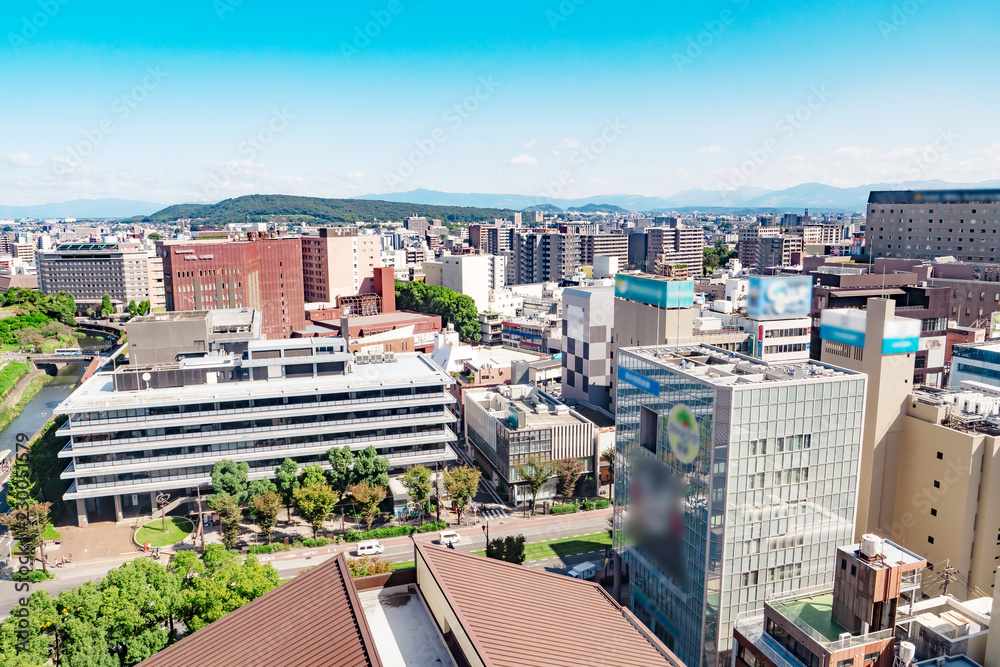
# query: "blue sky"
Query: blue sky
200,100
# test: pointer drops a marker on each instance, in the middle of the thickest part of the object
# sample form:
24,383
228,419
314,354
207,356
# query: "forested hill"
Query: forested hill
259,208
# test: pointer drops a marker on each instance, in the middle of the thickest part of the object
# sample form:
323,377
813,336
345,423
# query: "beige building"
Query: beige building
822,234
948,491
603,245
748,240
890,377
675,245
88,271
339,262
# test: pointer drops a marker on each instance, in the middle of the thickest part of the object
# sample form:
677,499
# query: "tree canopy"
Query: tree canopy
458,309
717,257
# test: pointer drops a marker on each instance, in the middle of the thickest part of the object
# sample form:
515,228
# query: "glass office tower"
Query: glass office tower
735,480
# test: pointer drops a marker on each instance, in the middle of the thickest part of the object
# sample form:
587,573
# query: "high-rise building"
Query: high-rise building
734,479
883,347
262,272
603,245
777,251
749,239
546,256
924,224
339,262
588,321
88,271
136,432
675,245
475,276
417,224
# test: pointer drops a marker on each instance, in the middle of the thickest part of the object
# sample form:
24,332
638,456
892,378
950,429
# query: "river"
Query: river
39,411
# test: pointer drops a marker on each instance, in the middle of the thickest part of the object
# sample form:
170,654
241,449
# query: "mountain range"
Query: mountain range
815,196
82,208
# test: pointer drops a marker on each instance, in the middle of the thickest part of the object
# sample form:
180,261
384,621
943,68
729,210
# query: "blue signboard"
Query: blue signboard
641,381
841,335
779,297
901,336
655,292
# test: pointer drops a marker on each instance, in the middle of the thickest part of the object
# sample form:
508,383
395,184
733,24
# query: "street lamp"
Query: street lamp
163,499
486,529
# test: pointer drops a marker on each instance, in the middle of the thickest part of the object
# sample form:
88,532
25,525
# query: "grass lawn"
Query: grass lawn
50,532
567,546
177,529
405,565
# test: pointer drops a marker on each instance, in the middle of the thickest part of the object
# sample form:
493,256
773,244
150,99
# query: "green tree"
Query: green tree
154,236
315,501
139,603
226,587
608,456
454,308
536,473
265,510
27,639
367,497
509,549
341,464
90,312
106,307
568,470
186,566
259,486
462,483
133,308
27,524
312,475
417,481
231,514
287,478
21,487
230,478
143,307
370,467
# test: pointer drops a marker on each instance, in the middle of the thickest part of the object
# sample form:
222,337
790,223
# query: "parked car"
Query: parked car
449,537
370,548
583,571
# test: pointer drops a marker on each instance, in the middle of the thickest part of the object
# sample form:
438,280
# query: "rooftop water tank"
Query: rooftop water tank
871,545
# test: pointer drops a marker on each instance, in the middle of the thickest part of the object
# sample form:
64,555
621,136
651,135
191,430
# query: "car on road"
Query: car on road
449,537
370,548
583,571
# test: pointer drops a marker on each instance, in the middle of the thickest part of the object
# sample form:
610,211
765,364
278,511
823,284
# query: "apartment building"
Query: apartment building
136,432
508,424
749,239
588,325
777,251
339,262
475,276
261,271
546,256
735,479
822,234
924,224
675,245
88,271
603,245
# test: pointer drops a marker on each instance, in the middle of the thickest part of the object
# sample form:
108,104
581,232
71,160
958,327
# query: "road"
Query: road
538,529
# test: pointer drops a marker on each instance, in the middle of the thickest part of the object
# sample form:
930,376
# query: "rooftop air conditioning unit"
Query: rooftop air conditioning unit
845,635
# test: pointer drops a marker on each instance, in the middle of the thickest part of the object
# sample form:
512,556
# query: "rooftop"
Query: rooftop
934,196
722,368
948,661
98,392
892,555
815,610
403,631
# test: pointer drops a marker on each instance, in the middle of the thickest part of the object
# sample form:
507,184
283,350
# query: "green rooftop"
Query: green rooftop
816,611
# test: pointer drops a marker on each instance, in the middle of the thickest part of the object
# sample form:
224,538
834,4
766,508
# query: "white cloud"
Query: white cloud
531,144
571,143
709,149
21,159
524,161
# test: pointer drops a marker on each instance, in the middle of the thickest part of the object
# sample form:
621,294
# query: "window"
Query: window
872,657
647,429
940,456
930,540
933,512
937,484
846,663
854,570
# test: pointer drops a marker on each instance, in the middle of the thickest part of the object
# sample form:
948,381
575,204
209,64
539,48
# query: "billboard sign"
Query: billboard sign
661,293
901,336
779,297
683,433
640,381
843,326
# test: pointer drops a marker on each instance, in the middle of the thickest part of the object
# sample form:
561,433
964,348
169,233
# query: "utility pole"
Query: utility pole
41,542
201,523
949,574
437,485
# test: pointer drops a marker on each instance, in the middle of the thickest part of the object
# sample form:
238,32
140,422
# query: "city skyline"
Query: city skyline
560,99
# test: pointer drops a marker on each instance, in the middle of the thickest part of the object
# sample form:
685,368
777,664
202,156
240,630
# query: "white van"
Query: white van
583,571
370,548
449,537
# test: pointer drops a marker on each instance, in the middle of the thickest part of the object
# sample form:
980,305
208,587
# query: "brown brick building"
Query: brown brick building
262,271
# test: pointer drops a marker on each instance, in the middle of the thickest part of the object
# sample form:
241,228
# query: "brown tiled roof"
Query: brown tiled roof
518,616
315,620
